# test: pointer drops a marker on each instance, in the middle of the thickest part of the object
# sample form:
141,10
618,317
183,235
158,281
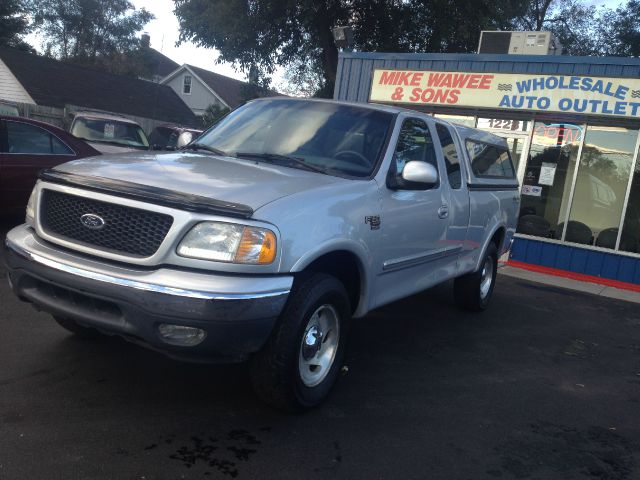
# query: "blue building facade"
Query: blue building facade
573,128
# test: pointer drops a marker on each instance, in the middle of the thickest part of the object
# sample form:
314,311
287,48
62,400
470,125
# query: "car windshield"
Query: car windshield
167,137
328,137
110,131
164,137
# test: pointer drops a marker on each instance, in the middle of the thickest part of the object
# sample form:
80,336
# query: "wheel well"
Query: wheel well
345,267
497,238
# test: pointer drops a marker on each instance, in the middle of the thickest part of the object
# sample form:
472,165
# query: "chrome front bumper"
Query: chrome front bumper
237,312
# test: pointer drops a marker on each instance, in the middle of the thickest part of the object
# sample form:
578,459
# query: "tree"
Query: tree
99,33
297,34
265,33
621,29
571,21
212,114
13,24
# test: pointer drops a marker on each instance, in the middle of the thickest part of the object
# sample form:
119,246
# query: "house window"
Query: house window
186,85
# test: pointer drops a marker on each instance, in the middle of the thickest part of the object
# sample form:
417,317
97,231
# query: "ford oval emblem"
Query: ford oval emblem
92,221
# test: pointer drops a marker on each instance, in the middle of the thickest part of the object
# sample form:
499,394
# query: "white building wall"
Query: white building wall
10,88
200,97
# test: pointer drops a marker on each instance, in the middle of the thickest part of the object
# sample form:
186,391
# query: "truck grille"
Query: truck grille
126,230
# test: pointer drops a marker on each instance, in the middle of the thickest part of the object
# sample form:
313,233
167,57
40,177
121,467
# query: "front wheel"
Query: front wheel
473,291
301,361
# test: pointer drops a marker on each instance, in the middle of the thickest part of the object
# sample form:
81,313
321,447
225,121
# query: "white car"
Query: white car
109,133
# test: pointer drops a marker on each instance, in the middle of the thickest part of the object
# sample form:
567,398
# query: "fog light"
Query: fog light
181,335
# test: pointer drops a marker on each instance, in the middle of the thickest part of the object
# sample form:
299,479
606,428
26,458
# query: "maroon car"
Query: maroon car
26,147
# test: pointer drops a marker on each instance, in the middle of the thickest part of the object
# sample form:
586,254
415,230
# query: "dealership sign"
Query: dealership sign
553,93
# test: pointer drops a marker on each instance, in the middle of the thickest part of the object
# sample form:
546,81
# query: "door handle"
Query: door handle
443,211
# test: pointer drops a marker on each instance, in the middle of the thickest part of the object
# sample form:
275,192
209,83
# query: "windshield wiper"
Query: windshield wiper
284,159
202,146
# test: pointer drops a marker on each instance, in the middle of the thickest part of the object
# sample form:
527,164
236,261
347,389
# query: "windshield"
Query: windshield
164,137
333,138
111,131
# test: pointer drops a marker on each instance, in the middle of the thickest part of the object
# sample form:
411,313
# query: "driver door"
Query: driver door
414,249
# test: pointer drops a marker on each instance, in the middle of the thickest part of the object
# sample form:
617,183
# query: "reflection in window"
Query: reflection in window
414,144
489,161
548,177
603,175
515,148
450,155
343,139
24,138
630,239
459,119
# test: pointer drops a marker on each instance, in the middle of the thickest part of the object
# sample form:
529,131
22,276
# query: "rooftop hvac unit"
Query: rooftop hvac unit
519,43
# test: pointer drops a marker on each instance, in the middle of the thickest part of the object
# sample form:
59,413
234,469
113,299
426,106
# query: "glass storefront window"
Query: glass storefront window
515,148
630,239
503,125
548,177
601,185
513,131
459,119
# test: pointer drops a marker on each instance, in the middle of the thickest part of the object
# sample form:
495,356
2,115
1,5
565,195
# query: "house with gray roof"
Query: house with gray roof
30,79
199,88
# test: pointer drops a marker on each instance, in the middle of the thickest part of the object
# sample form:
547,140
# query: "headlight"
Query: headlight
30,217
228,242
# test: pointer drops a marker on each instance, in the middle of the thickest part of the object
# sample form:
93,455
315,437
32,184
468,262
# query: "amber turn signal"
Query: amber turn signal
257,246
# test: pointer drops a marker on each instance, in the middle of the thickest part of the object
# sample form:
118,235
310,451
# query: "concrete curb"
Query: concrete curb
586,287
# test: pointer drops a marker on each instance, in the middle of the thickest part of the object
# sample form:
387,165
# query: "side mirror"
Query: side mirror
183,139
420,172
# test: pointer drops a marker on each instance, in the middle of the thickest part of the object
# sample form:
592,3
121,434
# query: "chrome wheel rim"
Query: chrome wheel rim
319,345
487,278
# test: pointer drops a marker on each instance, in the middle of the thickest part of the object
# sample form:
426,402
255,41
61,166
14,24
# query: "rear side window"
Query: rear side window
450,153
489,161
24,138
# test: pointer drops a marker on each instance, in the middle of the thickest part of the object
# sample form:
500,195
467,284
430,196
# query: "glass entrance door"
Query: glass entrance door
547,178
518,147
516,133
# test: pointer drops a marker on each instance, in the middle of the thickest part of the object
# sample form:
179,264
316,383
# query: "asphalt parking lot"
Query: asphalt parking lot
545,385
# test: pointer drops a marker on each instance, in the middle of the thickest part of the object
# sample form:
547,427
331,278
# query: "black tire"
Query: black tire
467,289
276,369
77,329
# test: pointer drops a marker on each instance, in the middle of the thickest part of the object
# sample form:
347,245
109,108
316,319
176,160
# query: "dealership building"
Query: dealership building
572,126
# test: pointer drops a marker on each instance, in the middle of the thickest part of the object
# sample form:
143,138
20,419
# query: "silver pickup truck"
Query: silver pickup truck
263,239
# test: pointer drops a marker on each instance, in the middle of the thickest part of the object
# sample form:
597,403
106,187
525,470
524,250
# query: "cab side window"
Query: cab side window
415,144
450,153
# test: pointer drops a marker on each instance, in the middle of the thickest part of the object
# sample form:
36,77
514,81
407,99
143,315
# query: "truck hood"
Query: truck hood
219,178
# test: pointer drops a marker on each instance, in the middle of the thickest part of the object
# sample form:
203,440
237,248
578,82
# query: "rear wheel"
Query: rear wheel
474,290
77,329
301,361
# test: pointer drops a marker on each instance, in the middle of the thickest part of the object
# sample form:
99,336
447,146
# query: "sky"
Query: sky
164,32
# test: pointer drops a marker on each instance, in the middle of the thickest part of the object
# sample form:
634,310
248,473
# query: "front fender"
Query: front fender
362,256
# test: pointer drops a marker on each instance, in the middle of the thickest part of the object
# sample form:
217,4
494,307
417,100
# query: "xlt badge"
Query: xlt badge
374,221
